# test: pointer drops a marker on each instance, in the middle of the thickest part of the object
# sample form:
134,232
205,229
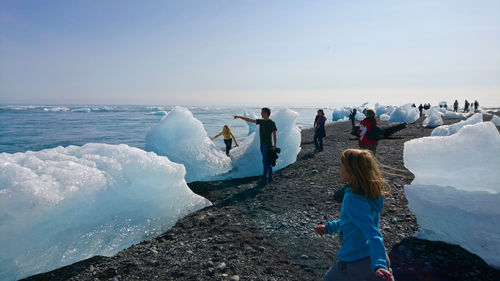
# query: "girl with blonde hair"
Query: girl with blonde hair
228,138
362,255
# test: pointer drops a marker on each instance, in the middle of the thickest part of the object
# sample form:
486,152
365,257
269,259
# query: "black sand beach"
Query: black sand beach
266,232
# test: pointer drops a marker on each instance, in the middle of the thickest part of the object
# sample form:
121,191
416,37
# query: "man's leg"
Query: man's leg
264,149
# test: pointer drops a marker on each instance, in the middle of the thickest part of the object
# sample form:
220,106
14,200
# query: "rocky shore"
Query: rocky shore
266,232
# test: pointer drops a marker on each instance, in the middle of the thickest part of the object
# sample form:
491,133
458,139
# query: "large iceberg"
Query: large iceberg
183,139
447,130
62,205
456,192
406,114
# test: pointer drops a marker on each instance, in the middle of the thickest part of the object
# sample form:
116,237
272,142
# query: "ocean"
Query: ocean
37,127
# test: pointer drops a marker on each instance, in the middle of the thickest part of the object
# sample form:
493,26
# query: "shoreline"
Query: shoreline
266,232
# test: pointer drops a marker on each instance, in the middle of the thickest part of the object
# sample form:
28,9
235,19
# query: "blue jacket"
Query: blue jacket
358,228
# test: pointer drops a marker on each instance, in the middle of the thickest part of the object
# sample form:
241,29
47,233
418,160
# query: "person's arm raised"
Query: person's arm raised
245,118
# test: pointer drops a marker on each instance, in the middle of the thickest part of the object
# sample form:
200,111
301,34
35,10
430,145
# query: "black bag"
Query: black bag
376,133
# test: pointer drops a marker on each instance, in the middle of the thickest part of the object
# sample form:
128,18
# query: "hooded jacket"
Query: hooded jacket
358,229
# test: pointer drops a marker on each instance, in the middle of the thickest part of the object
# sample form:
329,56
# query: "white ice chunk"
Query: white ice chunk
81,110
251,126
496,120
462,160
62,205
456,192
385,117
447,130
453,115
433,119
183,139
470,219
406,113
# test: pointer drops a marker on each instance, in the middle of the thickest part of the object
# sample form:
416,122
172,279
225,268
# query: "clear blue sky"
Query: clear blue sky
249,52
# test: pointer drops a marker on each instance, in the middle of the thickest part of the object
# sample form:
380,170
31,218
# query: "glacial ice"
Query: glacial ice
433,118
496,120
405,113
456,192
447,130
62,205
183,139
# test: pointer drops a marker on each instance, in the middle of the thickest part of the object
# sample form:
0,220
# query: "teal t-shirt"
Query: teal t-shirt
266,129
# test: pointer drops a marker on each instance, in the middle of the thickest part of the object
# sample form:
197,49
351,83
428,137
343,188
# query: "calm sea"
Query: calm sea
24,127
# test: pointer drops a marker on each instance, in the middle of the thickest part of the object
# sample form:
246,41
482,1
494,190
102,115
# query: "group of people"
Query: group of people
466,106
362,255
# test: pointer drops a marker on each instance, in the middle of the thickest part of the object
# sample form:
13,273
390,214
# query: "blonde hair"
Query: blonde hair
365,178
226,129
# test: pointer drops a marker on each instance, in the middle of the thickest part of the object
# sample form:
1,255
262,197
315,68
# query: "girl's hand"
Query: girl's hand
320,229
237,145
384,274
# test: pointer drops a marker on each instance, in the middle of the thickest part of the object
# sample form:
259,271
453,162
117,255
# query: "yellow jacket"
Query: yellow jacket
226,136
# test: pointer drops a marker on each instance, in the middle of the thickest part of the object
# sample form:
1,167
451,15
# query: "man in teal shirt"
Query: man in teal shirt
267,128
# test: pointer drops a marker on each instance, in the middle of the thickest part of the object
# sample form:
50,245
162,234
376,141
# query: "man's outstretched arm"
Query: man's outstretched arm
245,118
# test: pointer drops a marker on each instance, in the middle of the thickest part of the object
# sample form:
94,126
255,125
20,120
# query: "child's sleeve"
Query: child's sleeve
332,226
359,213
235,142
216,135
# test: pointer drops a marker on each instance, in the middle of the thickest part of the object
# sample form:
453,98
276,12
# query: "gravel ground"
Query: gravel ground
266,232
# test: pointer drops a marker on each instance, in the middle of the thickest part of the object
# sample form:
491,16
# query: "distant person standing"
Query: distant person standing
455,106
420,108
319,130
352,116
228,138
466,106
267,128
364,129
476,106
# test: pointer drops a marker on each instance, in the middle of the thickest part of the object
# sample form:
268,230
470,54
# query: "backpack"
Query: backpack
376,133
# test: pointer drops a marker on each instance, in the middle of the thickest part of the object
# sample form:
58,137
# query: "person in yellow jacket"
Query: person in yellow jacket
228,138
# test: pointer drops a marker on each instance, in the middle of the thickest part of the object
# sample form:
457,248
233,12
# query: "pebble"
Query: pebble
235,278
394,220
222,266
304,257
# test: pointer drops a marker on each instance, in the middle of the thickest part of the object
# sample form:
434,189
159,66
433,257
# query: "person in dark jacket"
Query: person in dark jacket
267,129
319,130
364,129
352,116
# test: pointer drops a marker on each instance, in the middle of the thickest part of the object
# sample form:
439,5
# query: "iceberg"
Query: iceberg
405,114
496,120
62,205
251,126
447,130
433,119
183,139
456,192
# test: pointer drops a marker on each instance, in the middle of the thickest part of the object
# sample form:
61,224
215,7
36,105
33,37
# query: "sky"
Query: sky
251,53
